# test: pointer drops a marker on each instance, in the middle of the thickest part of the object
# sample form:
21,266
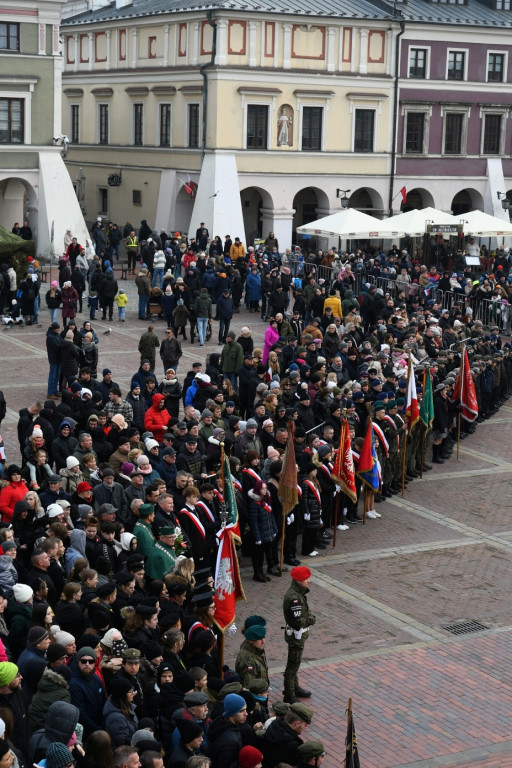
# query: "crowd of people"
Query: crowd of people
109,652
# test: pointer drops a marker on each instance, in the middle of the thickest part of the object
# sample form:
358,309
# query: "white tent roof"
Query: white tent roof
350,223
483,224
415,222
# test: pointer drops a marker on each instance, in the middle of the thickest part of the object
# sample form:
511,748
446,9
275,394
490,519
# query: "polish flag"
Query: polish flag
412,408
403,192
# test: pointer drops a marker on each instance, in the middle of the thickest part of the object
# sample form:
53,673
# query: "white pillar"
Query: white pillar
195,44
222,42
331,32
252,43
363,51
165,62
287,45
109,49
77,53
135,33
90,42
389,51
280,222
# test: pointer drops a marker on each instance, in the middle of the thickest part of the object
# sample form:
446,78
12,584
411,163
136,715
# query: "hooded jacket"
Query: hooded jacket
52,687
77,548
60,723
109,287
225,741
156,420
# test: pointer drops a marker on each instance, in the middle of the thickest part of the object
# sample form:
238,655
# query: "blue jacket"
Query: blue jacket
208,279
119,727
225,307
191,392
253,286
88,695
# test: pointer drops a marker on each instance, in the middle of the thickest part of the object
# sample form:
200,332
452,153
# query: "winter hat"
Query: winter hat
53,510
81,487
249,757
8,672
36,634
189,730
55,652
272,453
218,431
86,651
61,637
142,735
151,444
9,545
71,462
119,687
127,468
58,755
152,650
233,704
37,432
54,284
119,421
22,593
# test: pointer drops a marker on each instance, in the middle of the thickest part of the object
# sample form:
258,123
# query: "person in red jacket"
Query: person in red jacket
157,417
11,491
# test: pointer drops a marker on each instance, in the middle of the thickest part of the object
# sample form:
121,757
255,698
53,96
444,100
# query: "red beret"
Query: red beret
249,757
81,487
300,573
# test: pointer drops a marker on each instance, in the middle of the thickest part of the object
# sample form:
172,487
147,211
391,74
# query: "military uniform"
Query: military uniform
251,664
298,619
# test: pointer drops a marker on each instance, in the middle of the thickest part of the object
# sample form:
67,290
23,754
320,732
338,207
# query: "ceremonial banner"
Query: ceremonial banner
343,472
368,468
288,494
465,390
228,587
426,412
412,409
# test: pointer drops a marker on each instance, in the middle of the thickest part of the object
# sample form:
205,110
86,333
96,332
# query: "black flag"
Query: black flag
352,755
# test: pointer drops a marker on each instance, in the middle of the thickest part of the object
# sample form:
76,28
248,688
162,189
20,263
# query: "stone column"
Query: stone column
363,51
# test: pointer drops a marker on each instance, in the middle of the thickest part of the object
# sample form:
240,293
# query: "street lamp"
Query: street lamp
341,194
505,203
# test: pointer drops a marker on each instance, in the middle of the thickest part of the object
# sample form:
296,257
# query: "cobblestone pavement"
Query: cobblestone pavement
384,596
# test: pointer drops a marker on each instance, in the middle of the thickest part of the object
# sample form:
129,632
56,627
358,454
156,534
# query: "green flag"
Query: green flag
427,401
230,498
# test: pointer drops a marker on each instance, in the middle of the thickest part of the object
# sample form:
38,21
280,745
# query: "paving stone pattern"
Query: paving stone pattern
421,697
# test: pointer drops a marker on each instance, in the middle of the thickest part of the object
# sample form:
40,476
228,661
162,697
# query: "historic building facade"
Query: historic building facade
34,182
268,111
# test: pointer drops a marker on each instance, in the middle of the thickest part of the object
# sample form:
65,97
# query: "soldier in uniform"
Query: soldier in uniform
311,753
251,662
298,619
162,557
390,430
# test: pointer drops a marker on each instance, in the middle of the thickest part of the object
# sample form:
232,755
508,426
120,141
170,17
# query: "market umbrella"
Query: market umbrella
483,224
350,223
414,223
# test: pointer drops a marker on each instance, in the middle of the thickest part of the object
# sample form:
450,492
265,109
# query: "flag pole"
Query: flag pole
336,510
404,451
223,508
336,504
281,555
220,646
461,374
365,504
349,716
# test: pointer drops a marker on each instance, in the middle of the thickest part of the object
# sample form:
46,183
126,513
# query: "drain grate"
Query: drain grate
463,627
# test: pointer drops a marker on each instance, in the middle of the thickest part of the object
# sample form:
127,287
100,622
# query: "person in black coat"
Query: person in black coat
78,283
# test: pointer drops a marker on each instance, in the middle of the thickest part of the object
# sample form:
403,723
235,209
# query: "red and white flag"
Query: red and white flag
412,409
465,390
344,472
189,186
228,584
403,192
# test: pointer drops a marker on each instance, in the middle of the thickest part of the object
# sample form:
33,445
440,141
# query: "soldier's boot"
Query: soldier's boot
302,692
436,459
290,698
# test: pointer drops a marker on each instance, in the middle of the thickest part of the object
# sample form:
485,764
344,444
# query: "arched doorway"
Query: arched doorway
309,204
18,201
254,200
417,198
184,208
467,200
368,201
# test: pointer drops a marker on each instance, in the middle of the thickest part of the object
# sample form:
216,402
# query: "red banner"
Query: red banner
343,472
228,584
465,390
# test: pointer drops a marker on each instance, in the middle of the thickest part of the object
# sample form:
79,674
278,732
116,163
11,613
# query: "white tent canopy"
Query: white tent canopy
350,223
482,224
415,222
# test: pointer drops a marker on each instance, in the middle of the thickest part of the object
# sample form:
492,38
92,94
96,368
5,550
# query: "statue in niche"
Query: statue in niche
285,126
